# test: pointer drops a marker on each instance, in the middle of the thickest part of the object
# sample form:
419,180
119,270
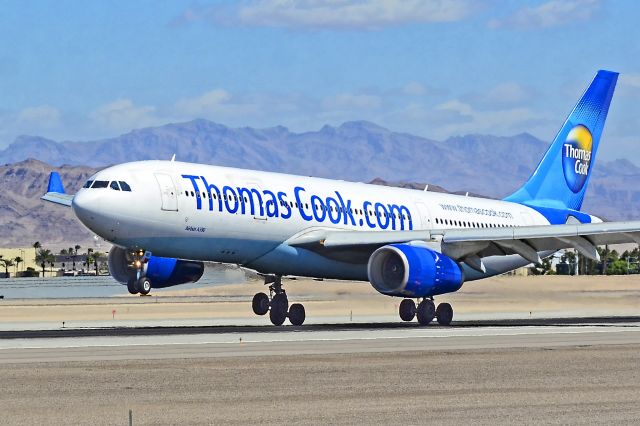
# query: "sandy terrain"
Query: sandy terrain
500,297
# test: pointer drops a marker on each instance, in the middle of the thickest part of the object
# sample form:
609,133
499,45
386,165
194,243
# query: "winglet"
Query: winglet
55,183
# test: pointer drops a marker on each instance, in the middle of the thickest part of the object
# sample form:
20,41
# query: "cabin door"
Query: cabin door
167,192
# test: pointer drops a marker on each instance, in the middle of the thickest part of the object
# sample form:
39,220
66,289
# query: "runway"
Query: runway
555,371
241,341
201,357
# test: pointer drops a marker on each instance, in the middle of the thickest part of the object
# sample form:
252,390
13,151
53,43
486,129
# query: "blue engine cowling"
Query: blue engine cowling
410,271
166,271
162,271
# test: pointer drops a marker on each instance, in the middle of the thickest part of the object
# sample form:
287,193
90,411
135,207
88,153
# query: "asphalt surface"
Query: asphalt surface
558,371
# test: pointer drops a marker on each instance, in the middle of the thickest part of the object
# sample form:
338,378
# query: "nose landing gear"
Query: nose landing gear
277,304
139,283
426,311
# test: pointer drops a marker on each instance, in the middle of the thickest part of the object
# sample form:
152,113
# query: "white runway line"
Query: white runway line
306,336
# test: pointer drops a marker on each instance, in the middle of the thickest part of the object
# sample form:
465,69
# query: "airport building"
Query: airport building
26,256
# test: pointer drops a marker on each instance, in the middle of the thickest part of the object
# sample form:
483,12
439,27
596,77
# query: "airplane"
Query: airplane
166,218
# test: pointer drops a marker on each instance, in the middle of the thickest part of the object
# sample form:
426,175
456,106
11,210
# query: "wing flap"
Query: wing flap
463,243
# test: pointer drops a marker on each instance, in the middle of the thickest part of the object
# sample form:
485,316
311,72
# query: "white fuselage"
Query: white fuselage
245,217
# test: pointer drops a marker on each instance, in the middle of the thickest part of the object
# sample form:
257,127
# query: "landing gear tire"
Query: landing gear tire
444,314
425,312
279,308
143,285
260,304
131,286
407,310
296,314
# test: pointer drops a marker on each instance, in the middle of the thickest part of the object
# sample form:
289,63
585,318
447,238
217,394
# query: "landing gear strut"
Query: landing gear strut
139,283
426,311
277,304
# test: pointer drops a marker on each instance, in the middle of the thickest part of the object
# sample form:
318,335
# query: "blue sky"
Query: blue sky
72,70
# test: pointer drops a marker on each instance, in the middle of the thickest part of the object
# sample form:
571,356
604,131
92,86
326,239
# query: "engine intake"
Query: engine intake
409,271
162,271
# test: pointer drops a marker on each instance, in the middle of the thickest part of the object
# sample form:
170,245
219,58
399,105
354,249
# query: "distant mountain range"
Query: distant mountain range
25,219
359,151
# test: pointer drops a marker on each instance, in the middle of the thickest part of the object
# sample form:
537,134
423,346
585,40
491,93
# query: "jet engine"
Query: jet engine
409,271
162,271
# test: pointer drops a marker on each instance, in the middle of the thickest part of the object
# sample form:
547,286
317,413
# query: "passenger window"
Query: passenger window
100,184
114,185
125,186
186,193
88,184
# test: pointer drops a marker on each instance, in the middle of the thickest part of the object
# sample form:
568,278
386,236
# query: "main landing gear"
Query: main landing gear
426,311
139,283
277,304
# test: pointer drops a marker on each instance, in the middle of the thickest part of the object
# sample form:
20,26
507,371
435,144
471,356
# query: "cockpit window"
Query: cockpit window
114,185
125,186
100,184
88,184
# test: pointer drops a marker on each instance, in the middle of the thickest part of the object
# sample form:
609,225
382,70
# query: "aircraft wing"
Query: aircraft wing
470,245
55,191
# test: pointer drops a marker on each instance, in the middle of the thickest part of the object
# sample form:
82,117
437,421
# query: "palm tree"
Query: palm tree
96,257
17,261
75,253
42,257
36,246
7,263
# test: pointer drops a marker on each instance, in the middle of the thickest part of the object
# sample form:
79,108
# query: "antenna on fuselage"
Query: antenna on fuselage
173,158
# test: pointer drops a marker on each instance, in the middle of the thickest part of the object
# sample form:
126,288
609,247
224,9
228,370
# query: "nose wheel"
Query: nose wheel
425,311
139,283
276,304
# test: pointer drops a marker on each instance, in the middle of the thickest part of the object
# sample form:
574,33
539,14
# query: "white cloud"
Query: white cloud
630,80
43,116
507,93
553,13
414,89
124,115
331,14
204,105
455,117
350,102
456,106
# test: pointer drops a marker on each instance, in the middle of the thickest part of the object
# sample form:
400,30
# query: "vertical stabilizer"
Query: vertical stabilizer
561,178
55,183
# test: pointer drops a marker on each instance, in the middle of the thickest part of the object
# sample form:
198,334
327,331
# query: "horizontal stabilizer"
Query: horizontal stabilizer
57,198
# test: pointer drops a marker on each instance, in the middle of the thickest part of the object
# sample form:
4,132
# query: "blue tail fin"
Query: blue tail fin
561,178
55,183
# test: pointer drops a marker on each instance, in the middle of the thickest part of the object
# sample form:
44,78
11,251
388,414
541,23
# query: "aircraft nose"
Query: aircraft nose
82,207
92,209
